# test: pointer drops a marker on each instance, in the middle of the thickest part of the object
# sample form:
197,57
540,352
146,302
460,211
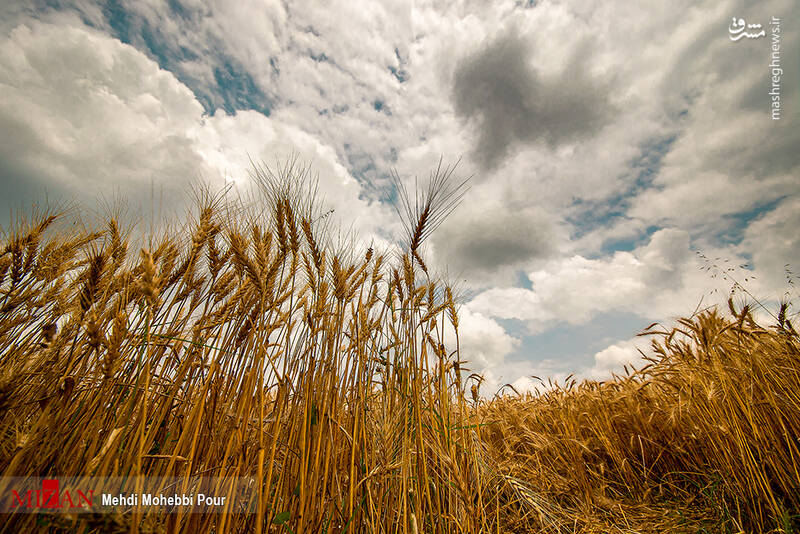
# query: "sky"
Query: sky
615,150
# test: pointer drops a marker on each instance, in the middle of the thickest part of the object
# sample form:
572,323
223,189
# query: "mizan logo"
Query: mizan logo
50,497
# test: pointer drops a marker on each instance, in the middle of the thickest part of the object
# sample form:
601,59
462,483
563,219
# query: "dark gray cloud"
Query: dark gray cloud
487,243
513,104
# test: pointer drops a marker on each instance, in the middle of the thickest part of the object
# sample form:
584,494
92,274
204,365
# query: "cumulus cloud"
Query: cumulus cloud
484,343
656,280
84,115
228,143
614,357
526,377
774,243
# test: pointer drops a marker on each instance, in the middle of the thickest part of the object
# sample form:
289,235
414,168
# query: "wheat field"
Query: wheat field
251,344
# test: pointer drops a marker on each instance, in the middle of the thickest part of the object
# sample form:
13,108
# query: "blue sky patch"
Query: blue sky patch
630,244
399,72
523,280
591,215
318,58
233,88
238,90
575,343
738,222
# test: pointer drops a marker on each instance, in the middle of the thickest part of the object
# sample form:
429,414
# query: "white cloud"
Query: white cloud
86,115
228,142
484,343
659,279
525,377
484,349
614,357
774,242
